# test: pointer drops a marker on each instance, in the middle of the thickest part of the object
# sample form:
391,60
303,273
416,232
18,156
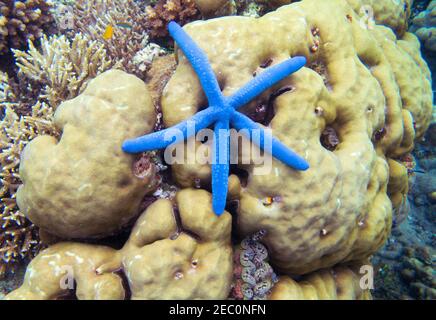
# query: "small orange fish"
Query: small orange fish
108,32
268,201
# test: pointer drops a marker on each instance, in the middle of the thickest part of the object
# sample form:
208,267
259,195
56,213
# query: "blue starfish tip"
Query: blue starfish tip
129,146
300,60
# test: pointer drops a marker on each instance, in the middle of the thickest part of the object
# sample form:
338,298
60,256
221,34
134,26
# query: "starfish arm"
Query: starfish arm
220,166
199,62
164,138
265,80
276,148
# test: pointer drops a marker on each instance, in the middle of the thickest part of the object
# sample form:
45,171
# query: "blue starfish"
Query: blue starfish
222,112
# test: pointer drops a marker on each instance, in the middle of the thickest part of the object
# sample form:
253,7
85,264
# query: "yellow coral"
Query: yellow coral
215,8
393,14
339,283
85,174
339,210
21,21
17,235
54,270
365,86
192,243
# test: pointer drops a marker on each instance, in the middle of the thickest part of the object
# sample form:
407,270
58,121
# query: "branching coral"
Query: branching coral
129,45
215,8
164,11
59,71
160,72
17,235
21,21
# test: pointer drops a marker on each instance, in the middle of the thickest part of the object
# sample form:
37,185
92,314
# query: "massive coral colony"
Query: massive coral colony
343,91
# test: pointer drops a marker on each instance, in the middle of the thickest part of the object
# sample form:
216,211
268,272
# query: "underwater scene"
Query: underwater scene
217,150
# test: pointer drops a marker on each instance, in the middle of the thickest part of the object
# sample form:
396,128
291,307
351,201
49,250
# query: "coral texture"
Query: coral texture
52,274
85,175
253,276
393,14
21,21
62,67
338,283
60,70
354,113
272,4
18,237
157,77
370,87
193,246
424,26
252,8
129,44
215,8
165,11
405,266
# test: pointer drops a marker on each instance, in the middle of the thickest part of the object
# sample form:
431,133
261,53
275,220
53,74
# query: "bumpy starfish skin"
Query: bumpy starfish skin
222,112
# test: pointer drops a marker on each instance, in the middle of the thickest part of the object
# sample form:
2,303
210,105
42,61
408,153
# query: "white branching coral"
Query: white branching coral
62,67
4,87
